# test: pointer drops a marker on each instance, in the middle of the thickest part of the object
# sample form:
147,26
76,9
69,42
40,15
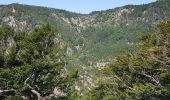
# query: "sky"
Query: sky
79,6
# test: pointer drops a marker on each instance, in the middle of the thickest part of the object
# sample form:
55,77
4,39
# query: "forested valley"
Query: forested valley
117,54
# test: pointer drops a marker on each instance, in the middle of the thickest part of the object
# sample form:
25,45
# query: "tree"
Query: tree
144,74
35,68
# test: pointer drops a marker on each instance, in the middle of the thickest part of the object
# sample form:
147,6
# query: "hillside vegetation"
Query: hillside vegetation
117,54
109,30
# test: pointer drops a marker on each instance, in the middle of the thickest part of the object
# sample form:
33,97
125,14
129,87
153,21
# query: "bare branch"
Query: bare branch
33,90
8,92
156,82
37,94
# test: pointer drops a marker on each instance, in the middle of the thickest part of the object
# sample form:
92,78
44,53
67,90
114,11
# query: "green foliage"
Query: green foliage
143,74
146,91
33,62
95,37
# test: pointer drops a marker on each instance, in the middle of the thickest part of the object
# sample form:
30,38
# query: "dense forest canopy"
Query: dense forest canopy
117,54
31,67
143,75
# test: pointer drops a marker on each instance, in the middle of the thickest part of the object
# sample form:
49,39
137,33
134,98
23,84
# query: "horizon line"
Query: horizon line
75,11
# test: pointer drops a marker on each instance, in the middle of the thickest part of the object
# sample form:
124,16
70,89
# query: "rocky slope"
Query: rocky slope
92,39
93,35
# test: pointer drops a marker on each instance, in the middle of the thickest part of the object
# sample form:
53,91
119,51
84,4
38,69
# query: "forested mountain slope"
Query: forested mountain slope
51,49
90,36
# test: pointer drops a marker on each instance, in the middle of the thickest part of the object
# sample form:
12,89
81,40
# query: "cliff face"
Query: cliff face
92,39
90,36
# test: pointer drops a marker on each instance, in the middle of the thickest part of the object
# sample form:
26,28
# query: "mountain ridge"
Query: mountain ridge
92,40
74,11
93,35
